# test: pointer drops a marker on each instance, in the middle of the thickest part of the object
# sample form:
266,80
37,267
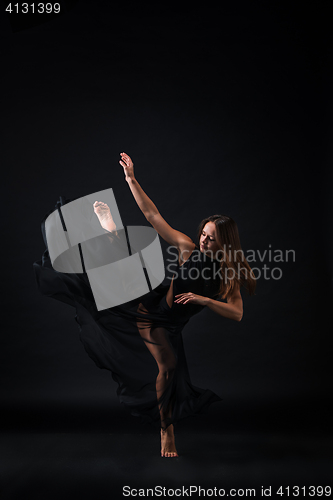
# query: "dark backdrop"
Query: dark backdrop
223,110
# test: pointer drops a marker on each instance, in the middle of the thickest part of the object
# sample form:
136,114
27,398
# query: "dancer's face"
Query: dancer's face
208,243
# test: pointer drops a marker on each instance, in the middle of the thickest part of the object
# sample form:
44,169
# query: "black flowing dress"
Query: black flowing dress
140,342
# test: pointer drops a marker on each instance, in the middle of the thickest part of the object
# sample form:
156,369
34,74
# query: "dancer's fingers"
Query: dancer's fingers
126,157
181,297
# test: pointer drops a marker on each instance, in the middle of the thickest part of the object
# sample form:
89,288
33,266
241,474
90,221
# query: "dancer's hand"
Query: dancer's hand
127,165
191,298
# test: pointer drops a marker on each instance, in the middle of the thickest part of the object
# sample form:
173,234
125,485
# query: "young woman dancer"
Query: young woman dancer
140,342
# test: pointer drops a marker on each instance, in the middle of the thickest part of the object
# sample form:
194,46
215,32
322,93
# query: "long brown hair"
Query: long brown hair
230,255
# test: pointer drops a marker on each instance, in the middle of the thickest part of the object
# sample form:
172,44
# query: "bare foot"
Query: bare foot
168,446
103,213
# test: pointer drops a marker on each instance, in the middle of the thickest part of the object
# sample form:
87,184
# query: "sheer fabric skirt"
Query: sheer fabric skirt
140,343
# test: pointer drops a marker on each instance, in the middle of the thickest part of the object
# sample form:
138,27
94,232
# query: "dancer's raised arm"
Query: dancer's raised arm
150,211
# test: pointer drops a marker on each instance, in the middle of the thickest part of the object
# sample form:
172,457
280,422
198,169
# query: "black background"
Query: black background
223,109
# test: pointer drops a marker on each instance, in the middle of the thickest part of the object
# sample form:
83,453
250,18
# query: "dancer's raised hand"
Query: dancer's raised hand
127,165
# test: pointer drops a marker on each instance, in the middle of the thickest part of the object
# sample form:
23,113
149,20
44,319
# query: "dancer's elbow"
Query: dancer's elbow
150,215
239,316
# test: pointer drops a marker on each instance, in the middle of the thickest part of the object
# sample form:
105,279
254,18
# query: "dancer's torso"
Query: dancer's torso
198,274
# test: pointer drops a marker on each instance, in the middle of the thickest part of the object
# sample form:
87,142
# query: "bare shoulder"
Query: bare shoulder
185,249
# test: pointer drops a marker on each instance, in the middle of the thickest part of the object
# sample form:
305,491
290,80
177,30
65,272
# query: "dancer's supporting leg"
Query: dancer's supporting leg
162,351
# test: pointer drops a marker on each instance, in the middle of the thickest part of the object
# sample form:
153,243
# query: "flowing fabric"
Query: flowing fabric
140,342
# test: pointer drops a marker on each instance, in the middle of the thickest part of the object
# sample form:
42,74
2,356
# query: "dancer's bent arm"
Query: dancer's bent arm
181,241
232,310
